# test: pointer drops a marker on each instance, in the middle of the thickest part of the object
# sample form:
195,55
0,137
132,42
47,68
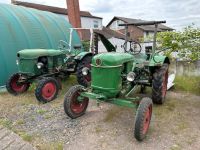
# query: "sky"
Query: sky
177,13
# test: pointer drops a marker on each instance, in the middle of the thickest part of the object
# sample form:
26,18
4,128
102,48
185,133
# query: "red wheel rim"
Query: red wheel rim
76,106
164,84
16,86
49,90
88,77
147,119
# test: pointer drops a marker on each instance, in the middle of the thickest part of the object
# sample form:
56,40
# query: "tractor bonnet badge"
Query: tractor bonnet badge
98,62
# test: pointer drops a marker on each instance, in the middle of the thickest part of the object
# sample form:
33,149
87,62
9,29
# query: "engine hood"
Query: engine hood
35,53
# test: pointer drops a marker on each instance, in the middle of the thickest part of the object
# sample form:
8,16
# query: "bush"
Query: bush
185,42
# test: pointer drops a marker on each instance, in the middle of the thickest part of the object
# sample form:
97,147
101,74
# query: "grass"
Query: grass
98,129
25,136
20,122
175,147
6,123
50,146
41,111
187,84
113,113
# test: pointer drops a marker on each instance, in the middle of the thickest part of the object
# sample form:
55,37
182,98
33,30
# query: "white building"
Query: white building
87,19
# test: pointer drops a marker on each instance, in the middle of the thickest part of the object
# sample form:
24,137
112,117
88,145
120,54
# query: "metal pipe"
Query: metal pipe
154,38
126,38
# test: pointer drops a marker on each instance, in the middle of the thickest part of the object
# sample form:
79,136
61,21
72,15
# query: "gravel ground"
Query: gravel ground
175,125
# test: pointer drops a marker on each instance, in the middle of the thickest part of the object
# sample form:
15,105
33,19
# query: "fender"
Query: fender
81,55
159,60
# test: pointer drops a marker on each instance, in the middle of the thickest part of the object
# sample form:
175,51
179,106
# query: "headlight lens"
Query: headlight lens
85,71
17,62
40,65
131,76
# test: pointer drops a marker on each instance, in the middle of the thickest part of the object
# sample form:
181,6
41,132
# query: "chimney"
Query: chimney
74,13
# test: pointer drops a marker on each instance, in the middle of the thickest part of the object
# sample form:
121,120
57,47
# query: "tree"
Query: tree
185,42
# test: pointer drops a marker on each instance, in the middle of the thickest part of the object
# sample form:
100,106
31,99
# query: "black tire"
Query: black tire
159,84
13,87
47,89
84,80
143,118
72,107
142,89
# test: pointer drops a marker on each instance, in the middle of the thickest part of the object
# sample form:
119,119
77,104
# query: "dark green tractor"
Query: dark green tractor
47,67
115,76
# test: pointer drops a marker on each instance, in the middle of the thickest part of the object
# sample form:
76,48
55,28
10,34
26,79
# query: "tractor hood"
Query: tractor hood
111,59
35,53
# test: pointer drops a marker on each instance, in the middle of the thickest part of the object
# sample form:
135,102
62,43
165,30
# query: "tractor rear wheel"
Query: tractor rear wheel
143,118
14,87
47,89
84,80
73,107
159,84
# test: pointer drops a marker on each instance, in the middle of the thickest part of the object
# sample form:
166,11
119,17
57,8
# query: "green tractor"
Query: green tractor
47,67
116,75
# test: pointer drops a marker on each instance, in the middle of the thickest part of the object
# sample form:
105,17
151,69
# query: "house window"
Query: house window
147,33
96,24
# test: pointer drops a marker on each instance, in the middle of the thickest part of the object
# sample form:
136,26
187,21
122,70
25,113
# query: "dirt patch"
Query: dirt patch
175,125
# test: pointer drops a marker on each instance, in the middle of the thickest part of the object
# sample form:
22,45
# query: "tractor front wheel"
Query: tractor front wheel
143,118
73,106
159,84
13,85
84,80
47,90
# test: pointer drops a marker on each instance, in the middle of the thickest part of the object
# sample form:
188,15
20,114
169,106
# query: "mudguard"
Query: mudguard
159,60
81,55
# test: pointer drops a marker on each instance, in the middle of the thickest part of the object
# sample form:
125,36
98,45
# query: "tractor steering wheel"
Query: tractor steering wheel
134,47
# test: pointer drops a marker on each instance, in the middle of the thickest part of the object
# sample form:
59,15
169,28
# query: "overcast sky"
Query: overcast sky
178,13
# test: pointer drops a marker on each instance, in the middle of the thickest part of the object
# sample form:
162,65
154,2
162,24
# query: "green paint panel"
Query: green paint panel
106,77
31,54
112,58
26,28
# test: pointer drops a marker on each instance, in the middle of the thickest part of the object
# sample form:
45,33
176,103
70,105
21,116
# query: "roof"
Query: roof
161,27
108,33
52,9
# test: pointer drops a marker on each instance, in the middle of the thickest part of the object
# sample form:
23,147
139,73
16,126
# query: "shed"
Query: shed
27,28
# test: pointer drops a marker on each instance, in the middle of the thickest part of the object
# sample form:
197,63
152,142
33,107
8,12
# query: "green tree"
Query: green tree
186,42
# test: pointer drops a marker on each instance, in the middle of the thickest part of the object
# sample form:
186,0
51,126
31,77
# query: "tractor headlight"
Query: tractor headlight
85,71
17,62
131,76
40,65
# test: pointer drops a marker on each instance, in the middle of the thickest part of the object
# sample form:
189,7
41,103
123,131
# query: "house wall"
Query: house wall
86,22
115,25
135,32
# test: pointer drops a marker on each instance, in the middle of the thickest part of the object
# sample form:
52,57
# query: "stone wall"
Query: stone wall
185,68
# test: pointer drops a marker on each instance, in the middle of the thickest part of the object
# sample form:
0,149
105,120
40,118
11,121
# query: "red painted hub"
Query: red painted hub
16,86
164,84
78,106
49,90
147,119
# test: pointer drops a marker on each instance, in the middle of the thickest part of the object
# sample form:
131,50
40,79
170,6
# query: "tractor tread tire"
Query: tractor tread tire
67,102
157,82
9,88
140,116
38,90
80,77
